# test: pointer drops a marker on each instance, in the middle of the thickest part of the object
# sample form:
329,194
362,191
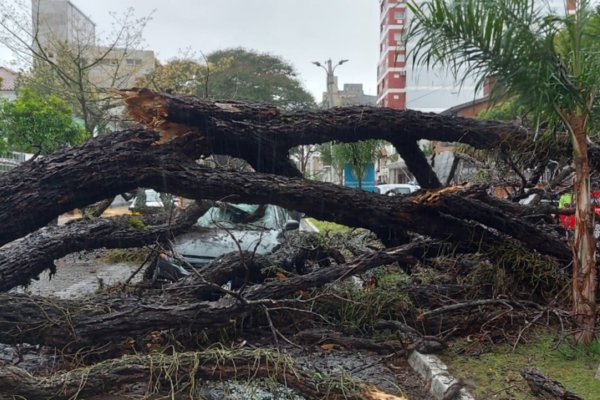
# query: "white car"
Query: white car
394,189
152,199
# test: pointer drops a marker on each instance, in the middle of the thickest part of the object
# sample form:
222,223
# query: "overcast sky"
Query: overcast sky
300,31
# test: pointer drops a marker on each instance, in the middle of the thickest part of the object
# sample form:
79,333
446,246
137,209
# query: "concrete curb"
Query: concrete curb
435,372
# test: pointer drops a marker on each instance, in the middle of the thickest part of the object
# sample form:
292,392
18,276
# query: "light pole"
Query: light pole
330,78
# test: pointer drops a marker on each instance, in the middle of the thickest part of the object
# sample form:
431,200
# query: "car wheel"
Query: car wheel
596,230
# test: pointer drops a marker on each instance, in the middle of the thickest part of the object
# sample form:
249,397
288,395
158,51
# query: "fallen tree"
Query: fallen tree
103,323
163,156
98,173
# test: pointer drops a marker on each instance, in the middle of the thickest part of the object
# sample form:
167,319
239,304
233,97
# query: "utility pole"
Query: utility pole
329,69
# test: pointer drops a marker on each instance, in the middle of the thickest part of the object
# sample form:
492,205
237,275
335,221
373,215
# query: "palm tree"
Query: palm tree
551,64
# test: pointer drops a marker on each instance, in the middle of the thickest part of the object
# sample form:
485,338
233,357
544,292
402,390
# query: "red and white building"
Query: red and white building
391,70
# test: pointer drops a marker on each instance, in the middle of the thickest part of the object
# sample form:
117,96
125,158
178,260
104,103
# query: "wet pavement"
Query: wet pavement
79,274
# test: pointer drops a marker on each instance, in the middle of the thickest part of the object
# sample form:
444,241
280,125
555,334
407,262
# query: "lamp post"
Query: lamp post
329,69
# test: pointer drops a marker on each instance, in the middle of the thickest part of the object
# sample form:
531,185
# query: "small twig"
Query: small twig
478,303
141,266
271,326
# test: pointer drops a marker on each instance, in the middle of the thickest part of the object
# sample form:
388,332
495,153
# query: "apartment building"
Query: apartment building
391,69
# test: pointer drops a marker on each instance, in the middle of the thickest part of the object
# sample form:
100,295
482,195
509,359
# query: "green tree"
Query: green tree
233,74
240,74
358,155
34,124
78,68
331,154
180,75
551,65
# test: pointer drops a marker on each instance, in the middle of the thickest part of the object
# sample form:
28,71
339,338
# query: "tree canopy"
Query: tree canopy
35,124
232,74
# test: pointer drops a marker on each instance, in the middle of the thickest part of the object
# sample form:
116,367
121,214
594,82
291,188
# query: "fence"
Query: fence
10,160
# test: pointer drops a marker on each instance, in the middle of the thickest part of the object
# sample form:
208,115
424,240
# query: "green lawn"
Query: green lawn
326,226
495,375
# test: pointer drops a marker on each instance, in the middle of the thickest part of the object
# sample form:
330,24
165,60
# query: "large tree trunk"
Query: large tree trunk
584,246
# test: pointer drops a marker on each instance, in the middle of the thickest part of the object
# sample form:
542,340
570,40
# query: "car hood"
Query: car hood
204,245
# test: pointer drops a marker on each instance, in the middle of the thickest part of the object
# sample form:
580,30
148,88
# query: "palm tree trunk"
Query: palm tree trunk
584,247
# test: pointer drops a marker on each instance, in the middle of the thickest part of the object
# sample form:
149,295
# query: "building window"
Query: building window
400,58
399,37
396,75
396,97
399,15
134,61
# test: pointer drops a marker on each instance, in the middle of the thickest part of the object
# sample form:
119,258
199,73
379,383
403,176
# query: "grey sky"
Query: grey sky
300,31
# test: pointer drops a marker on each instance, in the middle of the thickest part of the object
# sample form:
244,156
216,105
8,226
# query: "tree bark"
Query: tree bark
584,245
541,385
120,162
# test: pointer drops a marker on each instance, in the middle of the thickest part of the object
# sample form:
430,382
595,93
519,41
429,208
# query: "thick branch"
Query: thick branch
135,161
107,320
25,259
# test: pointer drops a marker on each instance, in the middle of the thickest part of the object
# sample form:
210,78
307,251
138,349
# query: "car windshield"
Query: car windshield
241,216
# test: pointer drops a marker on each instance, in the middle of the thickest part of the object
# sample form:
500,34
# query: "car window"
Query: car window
152,195
241,216
401,190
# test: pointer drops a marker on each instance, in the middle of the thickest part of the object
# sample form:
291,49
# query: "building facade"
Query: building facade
351,95
8,78
391,69
59,24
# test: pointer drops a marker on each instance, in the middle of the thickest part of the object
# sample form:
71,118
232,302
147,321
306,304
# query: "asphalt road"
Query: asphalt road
79,274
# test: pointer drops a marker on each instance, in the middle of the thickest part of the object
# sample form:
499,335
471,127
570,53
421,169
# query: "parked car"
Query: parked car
567,200
224,229
395,189
154,200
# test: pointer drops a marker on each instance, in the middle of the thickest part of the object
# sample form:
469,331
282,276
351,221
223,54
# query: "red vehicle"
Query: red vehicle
567,200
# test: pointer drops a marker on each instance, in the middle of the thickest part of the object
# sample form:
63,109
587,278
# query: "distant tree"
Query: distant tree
302,155
358,155
179,75
331,154
232,74
34,124
241,74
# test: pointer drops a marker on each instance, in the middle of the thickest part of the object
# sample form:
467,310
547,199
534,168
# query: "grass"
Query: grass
326,226
357,309
495,375
131,255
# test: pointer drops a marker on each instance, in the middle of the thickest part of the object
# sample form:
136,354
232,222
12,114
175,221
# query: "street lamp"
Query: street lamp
330,78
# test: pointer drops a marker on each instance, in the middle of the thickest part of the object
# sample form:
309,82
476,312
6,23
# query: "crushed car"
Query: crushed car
224,229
